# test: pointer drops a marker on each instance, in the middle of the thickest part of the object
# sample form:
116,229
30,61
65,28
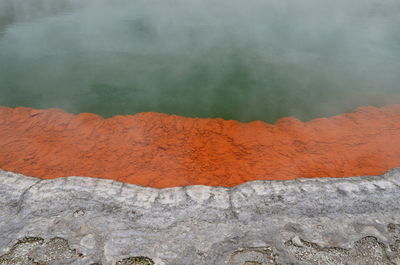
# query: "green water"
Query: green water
244,60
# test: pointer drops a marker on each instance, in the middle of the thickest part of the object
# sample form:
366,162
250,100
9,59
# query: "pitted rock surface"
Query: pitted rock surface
88,221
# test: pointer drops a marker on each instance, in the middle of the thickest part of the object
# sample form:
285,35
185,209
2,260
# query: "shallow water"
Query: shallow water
242,60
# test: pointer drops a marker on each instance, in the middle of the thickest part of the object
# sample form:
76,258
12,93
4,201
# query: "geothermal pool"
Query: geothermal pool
258,60
173,92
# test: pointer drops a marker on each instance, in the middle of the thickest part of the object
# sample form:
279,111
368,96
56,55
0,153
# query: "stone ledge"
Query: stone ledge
305,221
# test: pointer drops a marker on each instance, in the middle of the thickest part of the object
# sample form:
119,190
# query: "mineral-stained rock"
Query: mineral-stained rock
160,150
88,221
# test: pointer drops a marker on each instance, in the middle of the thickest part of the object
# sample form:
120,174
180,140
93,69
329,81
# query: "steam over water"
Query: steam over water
245,60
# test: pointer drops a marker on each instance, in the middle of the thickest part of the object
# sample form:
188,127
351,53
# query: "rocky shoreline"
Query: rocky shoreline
79,220
162,151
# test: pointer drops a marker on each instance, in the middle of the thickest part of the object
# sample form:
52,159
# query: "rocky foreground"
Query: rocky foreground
76,220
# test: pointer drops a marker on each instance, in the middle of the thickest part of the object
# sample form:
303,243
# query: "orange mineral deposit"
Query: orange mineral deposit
161,150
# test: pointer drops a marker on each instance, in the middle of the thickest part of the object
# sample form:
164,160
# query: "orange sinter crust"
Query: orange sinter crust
161,150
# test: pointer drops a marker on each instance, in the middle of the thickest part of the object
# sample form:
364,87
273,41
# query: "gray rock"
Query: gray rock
92,221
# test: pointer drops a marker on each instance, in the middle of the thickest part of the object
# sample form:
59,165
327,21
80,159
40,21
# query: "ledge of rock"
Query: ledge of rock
90,221
163,151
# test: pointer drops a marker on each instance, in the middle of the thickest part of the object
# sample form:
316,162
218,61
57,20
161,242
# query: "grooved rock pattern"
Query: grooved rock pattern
88,221
160,150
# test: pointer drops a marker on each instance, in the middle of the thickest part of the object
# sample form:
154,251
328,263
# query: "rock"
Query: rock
160,150
88,221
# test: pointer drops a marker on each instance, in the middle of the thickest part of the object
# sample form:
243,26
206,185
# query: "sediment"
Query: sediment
81,221
160,150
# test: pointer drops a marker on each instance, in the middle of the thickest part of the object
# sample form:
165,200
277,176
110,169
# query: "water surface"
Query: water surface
244,60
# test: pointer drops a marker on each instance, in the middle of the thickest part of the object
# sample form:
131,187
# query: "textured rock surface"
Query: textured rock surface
91,221
162,151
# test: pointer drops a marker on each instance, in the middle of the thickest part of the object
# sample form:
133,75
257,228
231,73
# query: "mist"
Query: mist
244,60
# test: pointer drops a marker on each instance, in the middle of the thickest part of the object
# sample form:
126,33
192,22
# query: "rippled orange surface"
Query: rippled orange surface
160,150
